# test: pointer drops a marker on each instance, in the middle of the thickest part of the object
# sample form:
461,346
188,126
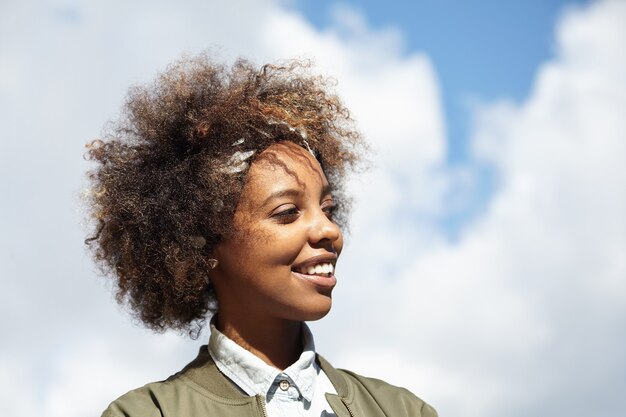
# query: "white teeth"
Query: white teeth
325,268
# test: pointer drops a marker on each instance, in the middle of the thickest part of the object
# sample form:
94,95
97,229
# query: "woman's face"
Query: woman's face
279,263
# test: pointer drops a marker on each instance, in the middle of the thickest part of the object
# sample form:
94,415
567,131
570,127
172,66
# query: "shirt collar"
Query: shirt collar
253,376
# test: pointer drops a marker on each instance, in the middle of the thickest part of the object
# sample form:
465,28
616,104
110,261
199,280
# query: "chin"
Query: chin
318,312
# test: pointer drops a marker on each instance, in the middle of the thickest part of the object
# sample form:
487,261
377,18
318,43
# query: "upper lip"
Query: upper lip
330,258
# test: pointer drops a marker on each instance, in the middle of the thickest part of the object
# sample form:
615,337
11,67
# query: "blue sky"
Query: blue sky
484,50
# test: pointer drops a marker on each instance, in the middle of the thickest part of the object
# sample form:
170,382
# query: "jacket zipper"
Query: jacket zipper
345,402
261,402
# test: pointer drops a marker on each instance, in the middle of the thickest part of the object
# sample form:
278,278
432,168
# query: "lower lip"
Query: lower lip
318,280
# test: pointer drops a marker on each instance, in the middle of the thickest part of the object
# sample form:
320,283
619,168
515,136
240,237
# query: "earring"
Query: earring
212,263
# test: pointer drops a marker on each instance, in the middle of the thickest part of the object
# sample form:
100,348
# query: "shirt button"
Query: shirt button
284,385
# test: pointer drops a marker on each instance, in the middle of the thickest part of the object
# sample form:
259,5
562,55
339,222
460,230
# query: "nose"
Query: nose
323,229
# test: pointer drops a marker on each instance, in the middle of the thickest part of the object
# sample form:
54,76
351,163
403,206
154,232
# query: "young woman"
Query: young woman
220,192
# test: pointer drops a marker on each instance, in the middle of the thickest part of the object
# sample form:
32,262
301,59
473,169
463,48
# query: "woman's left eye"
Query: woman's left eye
286,216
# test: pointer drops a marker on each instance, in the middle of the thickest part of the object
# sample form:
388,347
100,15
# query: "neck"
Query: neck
278,343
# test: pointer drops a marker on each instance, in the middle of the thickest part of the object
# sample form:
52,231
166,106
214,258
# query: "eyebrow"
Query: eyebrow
293,192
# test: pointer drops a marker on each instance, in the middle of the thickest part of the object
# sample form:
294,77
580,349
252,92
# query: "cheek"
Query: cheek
284,246
262,247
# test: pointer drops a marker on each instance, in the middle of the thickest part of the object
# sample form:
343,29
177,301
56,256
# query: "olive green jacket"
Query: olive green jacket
200,389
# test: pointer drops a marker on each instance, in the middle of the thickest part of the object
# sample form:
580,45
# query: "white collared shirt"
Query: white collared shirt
297,391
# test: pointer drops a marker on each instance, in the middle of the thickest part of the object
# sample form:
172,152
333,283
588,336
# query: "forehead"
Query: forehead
283,165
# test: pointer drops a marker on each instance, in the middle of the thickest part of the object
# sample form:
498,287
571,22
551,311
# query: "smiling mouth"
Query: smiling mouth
325,269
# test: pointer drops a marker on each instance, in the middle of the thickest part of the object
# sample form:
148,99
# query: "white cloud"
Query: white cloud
526,312
111,369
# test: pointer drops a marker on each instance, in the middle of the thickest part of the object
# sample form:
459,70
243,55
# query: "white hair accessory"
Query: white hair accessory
237,163
304,137
301,132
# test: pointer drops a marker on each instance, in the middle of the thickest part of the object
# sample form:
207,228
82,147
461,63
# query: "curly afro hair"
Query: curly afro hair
162,195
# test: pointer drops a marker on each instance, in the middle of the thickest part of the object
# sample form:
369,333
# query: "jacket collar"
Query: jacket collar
203,372
336,378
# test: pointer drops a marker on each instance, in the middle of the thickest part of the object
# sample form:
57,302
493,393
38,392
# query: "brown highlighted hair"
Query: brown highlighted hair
163,190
